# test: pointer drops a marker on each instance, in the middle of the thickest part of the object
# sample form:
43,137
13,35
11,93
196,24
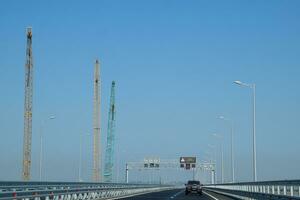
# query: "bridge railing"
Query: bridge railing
73,190
285,189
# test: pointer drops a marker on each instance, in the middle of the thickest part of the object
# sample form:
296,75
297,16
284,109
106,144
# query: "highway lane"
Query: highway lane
177,194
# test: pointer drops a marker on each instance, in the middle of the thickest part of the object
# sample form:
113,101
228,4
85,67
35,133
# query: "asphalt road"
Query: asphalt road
177,194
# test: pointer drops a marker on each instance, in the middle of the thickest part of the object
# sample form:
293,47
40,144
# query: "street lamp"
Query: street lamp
214,153
214,158
80,157
231,138
209,156
41,144
222,155
253,87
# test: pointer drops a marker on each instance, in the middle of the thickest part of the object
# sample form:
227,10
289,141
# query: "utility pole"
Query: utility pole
28,108
109,154
96,126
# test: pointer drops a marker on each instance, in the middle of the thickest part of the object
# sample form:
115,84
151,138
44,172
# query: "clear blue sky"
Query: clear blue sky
173,62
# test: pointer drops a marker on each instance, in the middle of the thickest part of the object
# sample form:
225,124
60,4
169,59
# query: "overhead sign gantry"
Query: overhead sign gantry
155,163
187,162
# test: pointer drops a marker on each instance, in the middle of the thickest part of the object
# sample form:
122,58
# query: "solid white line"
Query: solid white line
137,194
132,195
211,196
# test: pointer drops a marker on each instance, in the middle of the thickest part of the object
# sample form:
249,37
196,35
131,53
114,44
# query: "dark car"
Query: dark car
193,187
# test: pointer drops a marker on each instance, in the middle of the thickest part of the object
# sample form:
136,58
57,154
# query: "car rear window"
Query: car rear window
194,182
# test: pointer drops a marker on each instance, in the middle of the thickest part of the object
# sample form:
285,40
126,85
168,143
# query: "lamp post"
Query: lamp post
209,159
253,87
222,155
80,156
231,146
214,160
214,151
41,144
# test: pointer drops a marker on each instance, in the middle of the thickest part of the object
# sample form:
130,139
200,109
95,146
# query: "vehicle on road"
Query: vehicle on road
193,187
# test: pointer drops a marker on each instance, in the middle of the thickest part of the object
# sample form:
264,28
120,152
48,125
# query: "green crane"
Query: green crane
109,153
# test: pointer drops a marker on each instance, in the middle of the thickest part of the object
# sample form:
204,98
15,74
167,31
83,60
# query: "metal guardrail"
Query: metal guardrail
72,190
286,189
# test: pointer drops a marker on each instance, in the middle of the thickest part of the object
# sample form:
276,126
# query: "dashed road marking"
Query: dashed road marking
178,193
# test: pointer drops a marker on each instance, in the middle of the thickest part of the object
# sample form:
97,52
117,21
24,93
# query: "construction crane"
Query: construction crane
109,153
28,108
96,125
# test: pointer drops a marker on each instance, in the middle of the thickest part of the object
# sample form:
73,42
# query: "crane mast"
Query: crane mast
96,125
28,108
109,154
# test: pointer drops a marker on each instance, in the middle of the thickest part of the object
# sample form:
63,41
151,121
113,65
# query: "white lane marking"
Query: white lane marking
178,193
211,196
